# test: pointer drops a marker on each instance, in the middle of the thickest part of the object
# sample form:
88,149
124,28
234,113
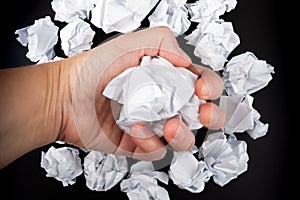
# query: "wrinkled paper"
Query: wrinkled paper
103,171
188,173
246,74
241,116
141,182
151,97
40,39
226,158
213,42
69,10
173,14
209,10
63,164
126,16
76,37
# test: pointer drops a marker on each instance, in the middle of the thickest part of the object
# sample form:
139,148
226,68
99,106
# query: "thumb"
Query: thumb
177,57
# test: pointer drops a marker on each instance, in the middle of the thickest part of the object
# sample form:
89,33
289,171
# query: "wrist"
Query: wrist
62,83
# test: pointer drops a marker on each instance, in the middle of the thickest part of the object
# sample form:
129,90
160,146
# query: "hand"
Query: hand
87,119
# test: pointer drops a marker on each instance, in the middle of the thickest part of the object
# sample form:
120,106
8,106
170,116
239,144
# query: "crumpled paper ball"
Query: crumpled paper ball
103,171
63,164
225,157
148,96
142,182
188,173
40,39
246,74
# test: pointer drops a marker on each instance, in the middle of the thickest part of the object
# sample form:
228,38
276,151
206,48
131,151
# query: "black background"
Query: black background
261,26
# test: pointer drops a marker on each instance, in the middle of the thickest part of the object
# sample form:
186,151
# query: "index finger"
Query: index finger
209,85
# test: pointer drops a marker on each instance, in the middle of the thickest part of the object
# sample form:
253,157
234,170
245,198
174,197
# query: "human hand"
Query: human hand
87,120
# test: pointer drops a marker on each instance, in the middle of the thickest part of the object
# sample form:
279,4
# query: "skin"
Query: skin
48,102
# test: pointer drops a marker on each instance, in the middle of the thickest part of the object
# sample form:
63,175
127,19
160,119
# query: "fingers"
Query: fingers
178,58
127,50
178,135
150,42
164,41
145,145
149,146
125,146
211,116
170,49
210,85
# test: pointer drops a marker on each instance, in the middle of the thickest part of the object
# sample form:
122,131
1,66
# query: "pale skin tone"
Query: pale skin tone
37,104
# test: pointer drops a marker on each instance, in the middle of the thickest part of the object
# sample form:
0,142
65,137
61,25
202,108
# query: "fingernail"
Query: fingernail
215,118
141,132
180,134
206,91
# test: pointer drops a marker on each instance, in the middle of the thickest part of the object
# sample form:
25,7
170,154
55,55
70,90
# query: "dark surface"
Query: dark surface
261,28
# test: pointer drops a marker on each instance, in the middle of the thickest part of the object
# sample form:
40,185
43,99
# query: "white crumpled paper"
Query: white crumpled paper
103,171
213,42
226,158
76,37
63,164
151,97
142,182
241,116
120,15
40,39
188,173
156,91
69,10
209,10
246,74
173,14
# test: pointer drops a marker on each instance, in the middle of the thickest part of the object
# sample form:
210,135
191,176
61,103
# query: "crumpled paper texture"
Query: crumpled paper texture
188,173
241,116
40,39
173,14
103,171
70,10
209,10
166,95
141,182
246,74
76,37
226,158
148,96
213,42
63,164
126,16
